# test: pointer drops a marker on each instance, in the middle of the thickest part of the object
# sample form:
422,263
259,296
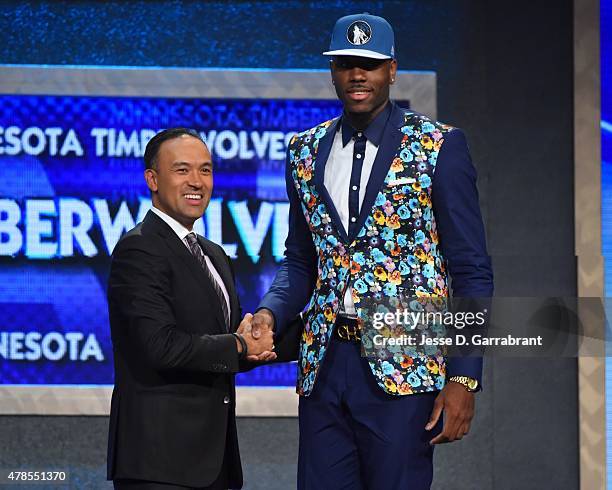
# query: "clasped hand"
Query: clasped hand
258,332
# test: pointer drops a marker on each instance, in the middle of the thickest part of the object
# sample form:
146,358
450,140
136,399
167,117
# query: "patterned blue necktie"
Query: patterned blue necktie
196,251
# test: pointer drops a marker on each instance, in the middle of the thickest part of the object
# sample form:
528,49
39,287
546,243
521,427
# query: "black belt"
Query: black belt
347,329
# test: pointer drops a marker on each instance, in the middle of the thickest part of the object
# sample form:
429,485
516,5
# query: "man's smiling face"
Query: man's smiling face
362,84
181,181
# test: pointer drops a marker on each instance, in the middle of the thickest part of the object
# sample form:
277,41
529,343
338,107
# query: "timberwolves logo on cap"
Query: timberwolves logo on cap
364,35
359,32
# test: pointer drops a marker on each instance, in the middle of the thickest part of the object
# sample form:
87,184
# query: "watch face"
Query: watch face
472,384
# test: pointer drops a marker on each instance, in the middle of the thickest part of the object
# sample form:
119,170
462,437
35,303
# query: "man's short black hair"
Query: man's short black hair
152,149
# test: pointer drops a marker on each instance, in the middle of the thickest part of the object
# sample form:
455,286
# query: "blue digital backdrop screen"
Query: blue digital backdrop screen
71,183
606,137
606,193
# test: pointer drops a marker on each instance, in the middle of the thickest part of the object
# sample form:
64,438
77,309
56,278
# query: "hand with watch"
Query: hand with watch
470,384
456,400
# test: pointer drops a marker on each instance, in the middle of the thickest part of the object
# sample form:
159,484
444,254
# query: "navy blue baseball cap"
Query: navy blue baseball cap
365,35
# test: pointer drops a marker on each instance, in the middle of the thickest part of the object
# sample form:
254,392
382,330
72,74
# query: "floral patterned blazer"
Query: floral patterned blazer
420,220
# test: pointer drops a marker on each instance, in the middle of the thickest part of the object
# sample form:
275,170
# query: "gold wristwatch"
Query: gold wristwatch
470,384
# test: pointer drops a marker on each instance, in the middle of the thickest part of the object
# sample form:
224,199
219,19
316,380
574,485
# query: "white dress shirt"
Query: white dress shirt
337,180
182,232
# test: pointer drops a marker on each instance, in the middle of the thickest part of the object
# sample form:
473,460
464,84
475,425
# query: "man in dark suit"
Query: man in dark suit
174,313
383,205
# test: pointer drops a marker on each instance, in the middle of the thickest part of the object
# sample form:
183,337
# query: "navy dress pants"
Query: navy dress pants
354,436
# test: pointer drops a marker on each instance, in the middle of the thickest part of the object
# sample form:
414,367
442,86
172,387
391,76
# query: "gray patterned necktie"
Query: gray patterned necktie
196,251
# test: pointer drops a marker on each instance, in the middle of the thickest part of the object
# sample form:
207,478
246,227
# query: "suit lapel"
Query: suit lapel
219,261
323,151
389,146
180,250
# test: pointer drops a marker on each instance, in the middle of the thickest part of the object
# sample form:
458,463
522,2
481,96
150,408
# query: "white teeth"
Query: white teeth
193,196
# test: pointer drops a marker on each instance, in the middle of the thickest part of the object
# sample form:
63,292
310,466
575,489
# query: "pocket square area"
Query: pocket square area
405,180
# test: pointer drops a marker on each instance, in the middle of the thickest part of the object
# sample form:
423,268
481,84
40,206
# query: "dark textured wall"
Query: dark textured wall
504,75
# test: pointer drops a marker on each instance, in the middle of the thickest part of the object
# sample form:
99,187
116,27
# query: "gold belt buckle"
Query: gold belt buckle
349,333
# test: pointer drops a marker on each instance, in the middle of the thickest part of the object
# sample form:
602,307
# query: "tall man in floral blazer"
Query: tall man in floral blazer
383,201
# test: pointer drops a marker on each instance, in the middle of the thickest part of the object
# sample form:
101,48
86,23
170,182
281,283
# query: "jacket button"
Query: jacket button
226,399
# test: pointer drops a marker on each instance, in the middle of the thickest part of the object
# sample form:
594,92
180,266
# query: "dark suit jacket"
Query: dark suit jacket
173,406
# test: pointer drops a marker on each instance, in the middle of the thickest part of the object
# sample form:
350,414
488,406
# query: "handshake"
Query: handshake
257,331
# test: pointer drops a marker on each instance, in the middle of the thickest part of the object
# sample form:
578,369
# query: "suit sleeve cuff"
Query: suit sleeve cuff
228,356
465,366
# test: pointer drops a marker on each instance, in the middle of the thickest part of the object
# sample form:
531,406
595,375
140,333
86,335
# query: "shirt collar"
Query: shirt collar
178,228
374,132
